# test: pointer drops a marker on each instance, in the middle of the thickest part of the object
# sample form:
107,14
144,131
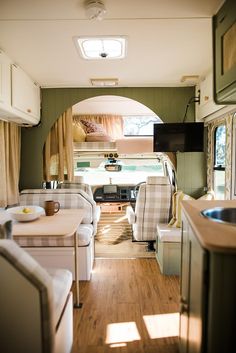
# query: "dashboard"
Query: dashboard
114,193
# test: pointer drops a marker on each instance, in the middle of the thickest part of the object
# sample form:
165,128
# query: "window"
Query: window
219,161
139,125
134,169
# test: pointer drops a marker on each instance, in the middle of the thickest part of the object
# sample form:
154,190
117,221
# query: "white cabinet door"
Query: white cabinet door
5,80
25,93
207,105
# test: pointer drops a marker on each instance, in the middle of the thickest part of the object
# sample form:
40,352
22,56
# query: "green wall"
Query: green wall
191,173
168,103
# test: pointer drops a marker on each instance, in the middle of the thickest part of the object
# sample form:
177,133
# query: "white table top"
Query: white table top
64,223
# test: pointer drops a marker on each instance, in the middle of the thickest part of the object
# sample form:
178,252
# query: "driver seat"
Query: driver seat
153,206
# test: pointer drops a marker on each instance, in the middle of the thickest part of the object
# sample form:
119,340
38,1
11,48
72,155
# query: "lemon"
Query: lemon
26,210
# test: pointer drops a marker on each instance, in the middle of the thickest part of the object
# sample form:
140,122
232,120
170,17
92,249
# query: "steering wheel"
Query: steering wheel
136,188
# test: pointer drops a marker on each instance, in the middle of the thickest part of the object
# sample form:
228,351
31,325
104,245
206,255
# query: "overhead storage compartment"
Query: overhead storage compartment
19,94
207,105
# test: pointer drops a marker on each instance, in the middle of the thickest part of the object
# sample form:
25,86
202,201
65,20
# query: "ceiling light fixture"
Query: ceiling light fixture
191,78
95,9
104,82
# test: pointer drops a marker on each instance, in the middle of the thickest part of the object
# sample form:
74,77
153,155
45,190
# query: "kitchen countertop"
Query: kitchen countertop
213,236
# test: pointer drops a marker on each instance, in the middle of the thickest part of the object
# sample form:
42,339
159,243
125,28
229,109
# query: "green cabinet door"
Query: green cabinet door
221,328
193,292
224,57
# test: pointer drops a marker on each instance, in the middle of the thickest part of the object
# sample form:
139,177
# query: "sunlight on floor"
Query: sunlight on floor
162,325
120,219
120,333
107,230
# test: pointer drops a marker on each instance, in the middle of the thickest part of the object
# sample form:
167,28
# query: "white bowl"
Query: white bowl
25,213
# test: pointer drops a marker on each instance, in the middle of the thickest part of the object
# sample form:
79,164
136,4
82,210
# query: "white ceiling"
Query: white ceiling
166,40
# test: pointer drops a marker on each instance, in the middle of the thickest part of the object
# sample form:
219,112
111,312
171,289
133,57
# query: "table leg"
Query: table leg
77,304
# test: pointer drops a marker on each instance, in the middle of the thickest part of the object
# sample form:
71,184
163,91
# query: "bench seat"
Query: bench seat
56,251
168,250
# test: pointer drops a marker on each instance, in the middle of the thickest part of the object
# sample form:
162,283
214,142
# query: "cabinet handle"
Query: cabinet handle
28,110
183,308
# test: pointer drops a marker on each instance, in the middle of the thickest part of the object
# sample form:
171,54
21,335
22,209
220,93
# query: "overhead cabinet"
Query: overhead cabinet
224,55
19,94
207,105
5,79
25,93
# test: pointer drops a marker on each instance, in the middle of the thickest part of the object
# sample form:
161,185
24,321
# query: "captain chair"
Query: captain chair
36,305
153,205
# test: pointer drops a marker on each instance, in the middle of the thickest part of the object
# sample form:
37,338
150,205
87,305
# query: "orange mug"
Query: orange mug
51,207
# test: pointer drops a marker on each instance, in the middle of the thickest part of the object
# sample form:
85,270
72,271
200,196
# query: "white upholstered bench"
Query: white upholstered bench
168,250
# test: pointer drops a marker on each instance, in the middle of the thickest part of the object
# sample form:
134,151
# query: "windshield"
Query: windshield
131,170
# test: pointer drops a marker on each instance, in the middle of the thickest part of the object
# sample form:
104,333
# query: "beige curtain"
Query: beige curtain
112,124
9,163
58,150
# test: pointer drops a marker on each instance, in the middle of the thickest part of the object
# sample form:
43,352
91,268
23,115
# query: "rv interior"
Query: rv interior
118,182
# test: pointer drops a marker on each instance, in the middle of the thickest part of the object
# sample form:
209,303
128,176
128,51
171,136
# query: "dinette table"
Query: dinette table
64,223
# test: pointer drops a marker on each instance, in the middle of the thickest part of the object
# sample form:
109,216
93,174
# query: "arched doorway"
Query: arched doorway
170,103
128,116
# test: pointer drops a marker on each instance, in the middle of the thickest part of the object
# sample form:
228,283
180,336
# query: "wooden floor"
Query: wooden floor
128,306
125,250
114,226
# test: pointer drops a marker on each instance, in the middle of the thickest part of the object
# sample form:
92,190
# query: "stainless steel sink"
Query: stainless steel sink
221,214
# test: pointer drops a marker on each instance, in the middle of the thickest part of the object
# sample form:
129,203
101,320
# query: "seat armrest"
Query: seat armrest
130,215
97,213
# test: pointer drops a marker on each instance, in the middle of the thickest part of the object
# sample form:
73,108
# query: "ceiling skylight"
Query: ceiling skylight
101,48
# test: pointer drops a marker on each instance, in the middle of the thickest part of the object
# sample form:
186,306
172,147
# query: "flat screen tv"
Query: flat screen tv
178,137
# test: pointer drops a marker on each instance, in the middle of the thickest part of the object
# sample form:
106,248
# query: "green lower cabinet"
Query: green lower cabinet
207,298
221,326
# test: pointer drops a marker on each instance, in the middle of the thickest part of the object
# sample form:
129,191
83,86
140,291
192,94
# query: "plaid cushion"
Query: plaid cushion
76,186
152,206
85,232
70,198
95,146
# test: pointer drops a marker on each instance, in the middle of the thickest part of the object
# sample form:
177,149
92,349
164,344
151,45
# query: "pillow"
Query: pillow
98,137
210,195
79,134
90,126
178,196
